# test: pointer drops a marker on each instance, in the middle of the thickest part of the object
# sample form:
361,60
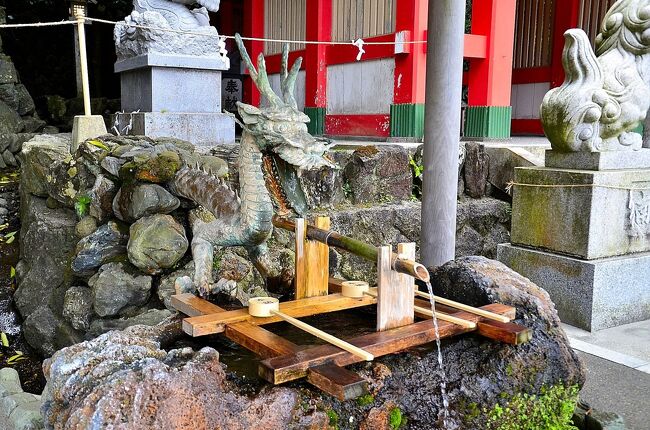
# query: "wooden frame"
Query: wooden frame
322,365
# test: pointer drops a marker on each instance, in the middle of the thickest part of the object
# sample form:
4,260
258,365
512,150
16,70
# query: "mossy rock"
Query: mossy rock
158,169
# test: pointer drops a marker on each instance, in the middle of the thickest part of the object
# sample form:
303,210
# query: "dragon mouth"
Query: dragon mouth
284,186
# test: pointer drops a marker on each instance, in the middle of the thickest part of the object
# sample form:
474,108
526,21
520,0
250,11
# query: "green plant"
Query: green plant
417,170
347,190
82,205
334,418
365,400
550,410
395,418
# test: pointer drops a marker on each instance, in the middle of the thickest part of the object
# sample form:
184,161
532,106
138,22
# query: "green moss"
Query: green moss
395,418
509,370
365,400
551,410
333,417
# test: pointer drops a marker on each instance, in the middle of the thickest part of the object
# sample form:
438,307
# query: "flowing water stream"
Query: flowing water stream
443,374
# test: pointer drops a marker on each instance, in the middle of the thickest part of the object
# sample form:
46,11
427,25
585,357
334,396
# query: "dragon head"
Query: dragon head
280,131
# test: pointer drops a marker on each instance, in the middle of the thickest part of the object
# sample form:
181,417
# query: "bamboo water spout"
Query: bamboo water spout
356,247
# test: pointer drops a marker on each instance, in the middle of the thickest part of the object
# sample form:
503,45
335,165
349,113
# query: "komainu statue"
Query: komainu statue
275,146
606,94
155,26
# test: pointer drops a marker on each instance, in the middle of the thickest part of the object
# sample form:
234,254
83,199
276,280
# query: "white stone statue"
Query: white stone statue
165,19
605,96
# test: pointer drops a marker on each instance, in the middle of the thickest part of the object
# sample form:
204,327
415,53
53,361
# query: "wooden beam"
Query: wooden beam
334,380
337,381
216,323
300,279
294,366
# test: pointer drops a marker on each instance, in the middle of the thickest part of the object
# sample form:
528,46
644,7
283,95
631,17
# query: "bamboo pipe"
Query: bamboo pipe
356,247
265,307
446,317
466,308
439,315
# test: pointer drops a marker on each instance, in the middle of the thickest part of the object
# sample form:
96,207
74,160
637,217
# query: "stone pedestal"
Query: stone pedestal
176,96
581,230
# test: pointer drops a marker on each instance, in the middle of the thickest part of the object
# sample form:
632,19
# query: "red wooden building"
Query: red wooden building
513,48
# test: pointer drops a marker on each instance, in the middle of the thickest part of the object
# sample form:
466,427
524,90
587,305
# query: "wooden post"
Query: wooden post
442,130
80,15
300,280
395,295
316,264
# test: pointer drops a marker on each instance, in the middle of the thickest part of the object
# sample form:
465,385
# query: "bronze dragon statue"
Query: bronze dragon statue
275,146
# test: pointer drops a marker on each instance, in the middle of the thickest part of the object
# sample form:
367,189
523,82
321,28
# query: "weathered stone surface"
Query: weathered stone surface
47,246
505,158
8,74
78,307
10,121
177,389
106,244
166,288
236,276
588,294
9,158
481,225
112,165
86,226
101,198
25,102
9,382
379,175
598,160
117,286
476,169
46,161
591,221
133,203
18,410
323,187
156,242
47,332
155,168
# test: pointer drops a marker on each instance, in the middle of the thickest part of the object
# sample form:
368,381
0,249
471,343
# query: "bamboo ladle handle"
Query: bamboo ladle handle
264,307
326,336
466,308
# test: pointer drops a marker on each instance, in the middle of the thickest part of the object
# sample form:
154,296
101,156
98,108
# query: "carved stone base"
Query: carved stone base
201,129
611,160
592,295
584,213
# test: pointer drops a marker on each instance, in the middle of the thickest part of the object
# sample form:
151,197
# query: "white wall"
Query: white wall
299,92
365,87
527,98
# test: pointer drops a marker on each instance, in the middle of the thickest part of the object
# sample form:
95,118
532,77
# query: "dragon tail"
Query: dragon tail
208,190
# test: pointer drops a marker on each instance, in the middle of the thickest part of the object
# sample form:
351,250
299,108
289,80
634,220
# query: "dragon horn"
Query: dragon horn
288,79
259,76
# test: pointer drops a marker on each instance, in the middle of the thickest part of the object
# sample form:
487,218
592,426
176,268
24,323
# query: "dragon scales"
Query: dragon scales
275,145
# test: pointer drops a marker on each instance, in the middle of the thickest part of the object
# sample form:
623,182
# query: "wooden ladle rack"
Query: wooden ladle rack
403,319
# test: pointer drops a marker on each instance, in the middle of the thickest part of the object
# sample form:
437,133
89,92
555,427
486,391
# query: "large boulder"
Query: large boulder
106,244
480,373
117,287
379,174
156,242
47,332
48,169
10,121
124,380
133,203
46,249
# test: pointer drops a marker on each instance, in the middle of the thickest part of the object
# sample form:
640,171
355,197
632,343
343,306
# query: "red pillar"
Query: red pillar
253,27
319,27
567,13
490,79
407,110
